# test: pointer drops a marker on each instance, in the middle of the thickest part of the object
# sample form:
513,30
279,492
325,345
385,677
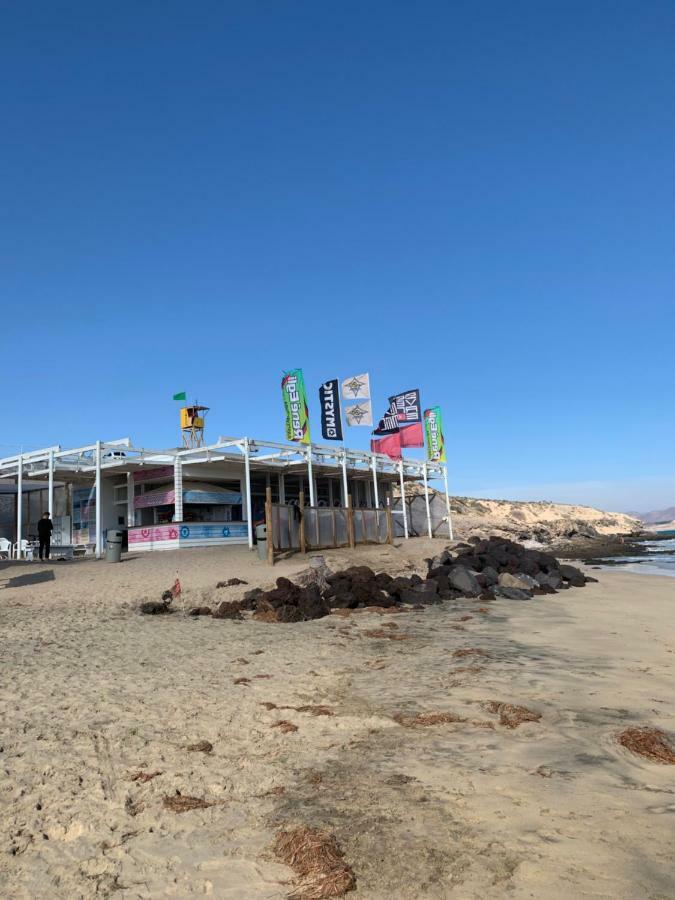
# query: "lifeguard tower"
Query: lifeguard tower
192,425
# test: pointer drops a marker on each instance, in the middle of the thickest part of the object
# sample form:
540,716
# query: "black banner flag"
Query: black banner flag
331,421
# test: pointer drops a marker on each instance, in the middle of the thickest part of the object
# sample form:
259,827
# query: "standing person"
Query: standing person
45,528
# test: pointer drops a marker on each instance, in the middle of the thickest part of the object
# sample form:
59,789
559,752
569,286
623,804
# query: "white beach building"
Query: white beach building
193,497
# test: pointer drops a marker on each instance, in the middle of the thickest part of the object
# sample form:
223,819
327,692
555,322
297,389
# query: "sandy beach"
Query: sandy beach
100,704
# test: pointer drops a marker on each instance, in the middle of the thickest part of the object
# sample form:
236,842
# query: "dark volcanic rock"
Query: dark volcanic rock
573,575
463,580
228,609
509,593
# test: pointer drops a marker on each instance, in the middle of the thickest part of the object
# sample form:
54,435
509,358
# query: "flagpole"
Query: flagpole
310,475
447,501
405,514
374,463
426,497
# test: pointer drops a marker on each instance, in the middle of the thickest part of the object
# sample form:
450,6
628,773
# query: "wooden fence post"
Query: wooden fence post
350,521
301,506
270,526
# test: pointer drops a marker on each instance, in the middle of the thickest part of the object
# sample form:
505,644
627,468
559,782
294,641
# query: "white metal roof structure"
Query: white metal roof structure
120,456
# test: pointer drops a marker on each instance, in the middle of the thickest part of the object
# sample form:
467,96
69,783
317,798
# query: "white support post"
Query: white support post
178,489
426,498
345,487
376,494
405,512
282,489
19,505
247,471
50,487
310,472
447,501
131,509
99,536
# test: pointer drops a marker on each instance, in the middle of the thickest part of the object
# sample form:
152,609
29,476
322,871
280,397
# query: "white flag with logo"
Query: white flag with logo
357,387
359,414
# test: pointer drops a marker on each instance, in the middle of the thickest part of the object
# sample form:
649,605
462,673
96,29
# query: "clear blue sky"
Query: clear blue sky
474,198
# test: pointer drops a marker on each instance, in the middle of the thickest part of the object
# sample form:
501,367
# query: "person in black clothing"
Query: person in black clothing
45,528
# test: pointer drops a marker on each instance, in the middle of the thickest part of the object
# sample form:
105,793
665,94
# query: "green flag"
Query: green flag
433,425
181,396
295,404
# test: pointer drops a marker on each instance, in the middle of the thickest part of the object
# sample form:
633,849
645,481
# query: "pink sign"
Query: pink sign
153,533
151,474
154,498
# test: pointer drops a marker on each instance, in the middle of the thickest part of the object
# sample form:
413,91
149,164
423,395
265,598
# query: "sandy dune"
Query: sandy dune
93,693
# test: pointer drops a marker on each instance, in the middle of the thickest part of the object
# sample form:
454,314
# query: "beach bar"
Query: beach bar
195,497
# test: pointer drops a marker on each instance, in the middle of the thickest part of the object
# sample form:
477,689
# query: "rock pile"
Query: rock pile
496,568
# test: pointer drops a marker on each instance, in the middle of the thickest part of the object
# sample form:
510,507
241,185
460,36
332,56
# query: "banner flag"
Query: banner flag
433,425
359,414
412,435
390,446
331,421
181,396
295,405
357,387
406,407
388,424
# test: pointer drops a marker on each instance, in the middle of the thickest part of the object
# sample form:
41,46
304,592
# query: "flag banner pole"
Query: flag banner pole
377,496
405,513
310,475
247,471
426,498
447,501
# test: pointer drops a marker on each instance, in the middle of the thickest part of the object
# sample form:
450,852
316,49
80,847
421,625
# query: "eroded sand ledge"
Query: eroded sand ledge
93,694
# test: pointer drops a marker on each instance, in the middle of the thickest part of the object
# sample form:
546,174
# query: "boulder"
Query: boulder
228,609
572,575
519,580
461,579
345,600
550,580
509,593
490,575
288,614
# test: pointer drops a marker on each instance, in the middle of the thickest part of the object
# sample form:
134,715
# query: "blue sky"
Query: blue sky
476,199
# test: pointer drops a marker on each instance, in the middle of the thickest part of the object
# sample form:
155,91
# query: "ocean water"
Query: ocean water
659,559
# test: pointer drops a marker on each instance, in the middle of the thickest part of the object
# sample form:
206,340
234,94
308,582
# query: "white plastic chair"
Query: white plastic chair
20,547
6,548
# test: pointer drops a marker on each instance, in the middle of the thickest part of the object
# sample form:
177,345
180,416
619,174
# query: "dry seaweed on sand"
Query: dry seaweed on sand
200,747
512,716
180,803
317,859
285,726
313,710
144,777
469,651
242,681
650,743
231,582
380,633
426,719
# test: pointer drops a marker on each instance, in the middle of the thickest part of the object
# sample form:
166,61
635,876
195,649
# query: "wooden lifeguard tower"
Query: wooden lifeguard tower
192,425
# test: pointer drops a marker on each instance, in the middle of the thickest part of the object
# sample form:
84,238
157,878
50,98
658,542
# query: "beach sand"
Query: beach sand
92,693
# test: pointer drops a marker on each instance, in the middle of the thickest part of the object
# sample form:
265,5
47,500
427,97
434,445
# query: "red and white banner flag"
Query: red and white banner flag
390,446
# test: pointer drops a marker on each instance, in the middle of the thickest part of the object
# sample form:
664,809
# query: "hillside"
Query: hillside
657,516
521,520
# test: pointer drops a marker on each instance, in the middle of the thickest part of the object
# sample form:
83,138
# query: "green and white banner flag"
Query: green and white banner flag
181,396
295,405
433,426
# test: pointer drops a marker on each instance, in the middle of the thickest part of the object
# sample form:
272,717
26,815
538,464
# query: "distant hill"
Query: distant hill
655,517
